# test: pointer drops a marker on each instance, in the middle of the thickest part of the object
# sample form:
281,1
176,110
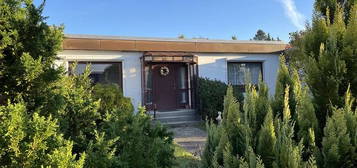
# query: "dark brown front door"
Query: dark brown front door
167,83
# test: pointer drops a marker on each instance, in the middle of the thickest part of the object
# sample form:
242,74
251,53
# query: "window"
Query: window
238,71
102,72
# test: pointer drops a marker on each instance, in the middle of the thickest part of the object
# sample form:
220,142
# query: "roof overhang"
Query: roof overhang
114,43
182,57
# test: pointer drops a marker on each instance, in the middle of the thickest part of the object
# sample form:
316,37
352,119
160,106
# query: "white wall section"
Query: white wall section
130,62
214,66
211,65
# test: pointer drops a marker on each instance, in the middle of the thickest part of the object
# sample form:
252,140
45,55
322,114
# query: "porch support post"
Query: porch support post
189,85
143,94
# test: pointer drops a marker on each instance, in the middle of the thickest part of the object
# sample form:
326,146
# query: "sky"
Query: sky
213,19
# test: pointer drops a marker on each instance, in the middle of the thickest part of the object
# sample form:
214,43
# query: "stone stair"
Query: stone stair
180,117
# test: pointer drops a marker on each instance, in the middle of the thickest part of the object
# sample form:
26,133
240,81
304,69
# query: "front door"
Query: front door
169,85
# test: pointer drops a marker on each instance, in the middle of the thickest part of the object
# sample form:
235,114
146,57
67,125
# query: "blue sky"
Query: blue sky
213,19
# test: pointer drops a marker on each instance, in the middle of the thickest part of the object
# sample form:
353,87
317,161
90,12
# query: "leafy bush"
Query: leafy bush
111,99
146,145
128,139
97,121
210,95
33,141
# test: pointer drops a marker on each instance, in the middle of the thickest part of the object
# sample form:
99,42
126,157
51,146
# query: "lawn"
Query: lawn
185,159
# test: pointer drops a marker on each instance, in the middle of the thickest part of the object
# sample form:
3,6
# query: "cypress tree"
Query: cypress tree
283,79
306,122
287,152
214,134
267,140
326,53
339,141
336,141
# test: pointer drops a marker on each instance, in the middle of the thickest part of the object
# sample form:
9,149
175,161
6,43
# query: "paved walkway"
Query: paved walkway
191,138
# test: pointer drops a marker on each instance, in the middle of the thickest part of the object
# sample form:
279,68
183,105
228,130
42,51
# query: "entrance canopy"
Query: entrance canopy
169,80
170,57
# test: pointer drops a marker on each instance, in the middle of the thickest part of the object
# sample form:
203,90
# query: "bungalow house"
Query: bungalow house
162,73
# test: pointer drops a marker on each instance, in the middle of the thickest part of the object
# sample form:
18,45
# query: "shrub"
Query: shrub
112,99
146,145
127,139
339,141
210,95
33,140
213,136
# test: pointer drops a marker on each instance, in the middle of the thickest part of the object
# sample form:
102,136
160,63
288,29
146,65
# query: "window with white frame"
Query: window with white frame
101,72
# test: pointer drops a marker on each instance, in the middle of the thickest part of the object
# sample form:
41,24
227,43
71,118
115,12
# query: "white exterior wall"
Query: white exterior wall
214,66
130,62
211,65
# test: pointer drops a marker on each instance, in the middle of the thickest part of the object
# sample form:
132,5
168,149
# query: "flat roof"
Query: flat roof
123,43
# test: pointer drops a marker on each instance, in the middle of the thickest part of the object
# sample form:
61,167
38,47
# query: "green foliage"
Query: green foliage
267,140
325,53
287,152
338,144
249,141
328,7
306,120
146,145
99,120
28,47
79,111
112,99
101,152
33,140
261,35
212,142
210,95
284,79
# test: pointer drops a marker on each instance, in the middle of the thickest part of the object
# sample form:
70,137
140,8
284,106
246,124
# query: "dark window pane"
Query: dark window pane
239,71
148,84
106,73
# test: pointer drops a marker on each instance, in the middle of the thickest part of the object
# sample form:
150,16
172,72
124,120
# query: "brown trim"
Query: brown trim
179,46
180,57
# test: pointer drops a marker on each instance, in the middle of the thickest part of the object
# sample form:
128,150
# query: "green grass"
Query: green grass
185,159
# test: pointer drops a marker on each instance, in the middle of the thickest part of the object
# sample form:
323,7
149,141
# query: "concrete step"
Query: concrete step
181,123
180,117
177,118
173,113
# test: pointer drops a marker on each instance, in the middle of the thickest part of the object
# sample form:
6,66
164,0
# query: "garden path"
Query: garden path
191,138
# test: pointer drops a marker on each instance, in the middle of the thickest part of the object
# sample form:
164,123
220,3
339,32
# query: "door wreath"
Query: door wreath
164,71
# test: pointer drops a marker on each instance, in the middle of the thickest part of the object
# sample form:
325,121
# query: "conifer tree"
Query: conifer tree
283,79
230,160
235,131
306,122
328,7
326,51
214,134
336,142
262,104
287,152
267,140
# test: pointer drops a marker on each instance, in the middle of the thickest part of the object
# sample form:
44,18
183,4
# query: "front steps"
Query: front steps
177,118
